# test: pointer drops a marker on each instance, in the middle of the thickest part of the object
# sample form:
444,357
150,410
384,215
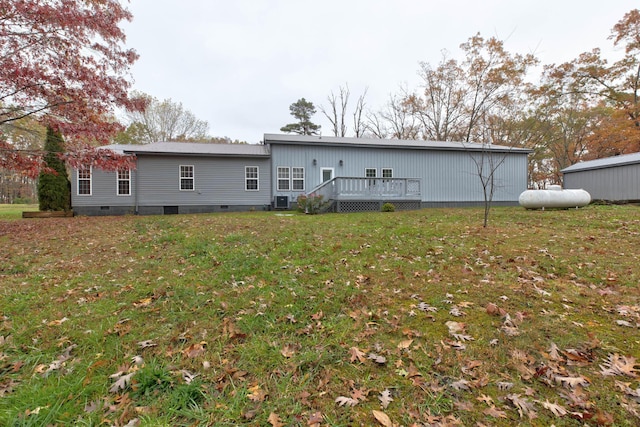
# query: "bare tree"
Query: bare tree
359,127
337,110
393,121
167,121
487,162
375,126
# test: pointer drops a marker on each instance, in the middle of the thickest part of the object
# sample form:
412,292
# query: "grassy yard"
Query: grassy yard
264,319
15,211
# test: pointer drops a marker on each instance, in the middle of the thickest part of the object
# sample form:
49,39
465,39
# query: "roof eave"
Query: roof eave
408,146
579,167
174,154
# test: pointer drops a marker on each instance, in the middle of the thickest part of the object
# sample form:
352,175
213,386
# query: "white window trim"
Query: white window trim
118,184
293,179
192,178
247,179
84,179
278,179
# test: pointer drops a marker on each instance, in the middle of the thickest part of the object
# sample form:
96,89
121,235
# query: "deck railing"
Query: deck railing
342,188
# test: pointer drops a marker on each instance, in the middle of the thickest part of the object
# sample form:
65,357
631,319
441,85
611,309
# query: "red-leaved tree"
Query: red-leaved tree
64,63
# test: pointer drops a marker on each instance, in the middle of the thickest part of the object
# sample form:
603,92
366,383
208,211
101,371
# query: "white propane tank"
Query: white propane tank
554,197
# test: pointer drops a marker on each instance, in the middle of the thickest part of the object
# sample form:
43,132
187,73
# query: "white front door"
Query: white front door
326,174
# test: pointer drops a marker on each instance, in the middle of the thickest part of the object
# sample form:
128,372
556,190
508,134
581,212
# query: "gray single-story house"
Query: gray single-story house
612,179
352,174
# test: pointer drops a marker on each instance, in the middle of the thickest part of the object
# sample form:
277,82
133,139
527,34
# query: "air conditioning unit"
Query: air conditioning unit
282,202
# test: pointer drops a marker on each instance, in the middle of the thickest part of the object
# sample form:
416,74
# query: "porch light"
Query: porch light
314,162
341,163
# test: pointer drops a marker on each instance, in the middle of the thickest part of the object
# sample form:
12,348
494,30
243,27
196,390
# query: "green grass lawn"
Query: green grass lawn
406,319
15,211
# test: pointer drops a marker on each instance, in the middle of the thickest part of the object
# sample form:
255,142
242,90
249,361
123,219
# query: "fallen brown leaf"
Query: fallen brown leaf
382,418
620,365
288,351
303,397
402,345
357,355
359,394
346,401
146,344
494,412
274,420
57,322
144,302
315,419
486,399
385,398
121,383
557,410
257,394
195,350
380,360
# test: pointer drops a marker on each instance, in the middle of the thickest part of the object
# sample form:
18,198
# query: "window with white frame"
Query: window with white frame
370,173
84,181
123,182
251,178
187,179
297,177
387,173
284,178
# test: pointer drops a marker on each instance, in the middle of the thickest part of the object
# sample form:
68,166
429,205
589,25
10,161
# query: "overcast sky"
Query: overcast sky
239,64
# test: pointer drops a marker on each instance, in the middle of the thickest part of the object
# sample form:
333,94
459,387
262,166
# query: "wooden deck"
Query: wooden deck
369,194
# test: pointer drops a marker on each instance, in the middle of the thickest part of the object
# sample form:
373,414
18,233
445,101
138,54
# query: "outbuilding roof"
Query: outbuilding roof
386,143
193,149
607,162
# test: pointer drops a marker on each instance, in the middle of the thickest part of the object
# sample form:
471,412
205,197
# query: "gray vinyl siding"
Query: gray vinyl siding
217,181
619,183
446,176
156,182
103,190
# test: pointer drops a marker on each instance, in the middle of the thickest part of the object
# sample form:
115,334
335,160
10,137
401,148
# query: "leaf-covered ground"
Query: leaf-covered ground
268,319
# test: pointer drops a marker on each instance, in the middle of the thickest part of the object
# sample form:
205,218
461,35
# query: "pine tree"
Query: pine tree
302,110
54,188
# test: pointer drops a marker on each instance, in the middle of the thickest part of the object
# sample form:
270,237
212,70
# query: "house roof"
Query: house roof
260,150
607,162
193,149
386,143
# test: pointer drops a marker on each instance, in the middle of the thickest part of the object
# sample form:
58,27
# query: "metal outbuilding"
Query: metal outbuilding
612,179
